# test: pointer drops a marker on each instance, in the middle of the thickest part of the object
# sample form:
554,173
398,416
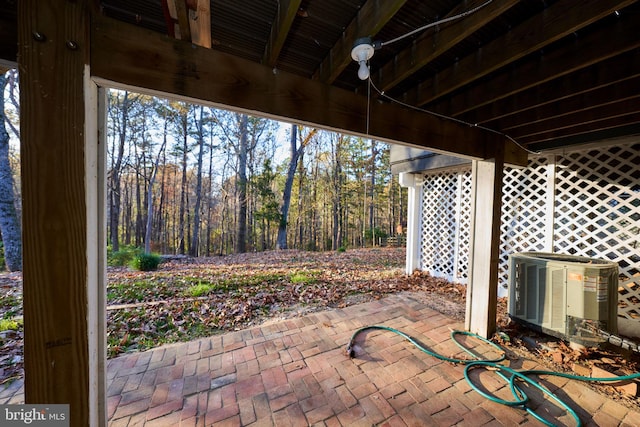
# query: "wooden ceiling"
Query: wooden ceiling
547,74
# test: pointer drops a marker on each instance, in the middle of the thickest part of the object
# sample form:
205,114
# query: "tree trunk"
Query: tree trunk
138,194
152,179
195,240
183,187
241,231
160,232
116,169
12,81
301,179
210,191
372,223
127,213
9,224
281,242
337,208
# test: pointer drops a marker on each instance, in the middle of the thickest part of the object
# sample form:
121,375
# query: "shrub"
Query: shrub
145,262
375,233
122,257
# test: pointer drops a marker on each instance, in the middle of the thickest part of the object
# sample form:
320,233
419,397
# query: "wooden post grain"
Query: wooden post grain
62,267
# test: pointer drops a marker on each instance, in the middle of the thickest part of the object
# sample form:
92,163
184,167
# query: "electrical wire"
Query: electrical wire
453,119
433,24
520,397
368,105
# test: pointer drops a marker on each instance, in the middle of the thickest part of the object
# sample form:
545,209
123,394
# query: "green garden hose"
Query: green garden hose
520,397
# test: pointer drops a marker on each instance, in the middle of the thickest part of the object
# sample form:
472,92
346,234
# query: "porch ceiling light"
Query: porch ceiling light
362,51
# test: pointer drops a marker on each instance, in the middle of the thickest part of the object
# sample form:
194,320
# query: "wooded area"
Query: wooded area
188,179
195,180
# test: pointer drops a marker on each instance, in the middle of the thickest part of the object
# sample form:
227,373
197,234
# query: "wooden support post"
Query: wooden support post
482,290
413,220
63,211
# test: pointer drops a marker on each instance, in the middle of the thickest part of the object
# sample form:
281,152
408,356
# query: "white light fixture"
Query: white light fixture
362,51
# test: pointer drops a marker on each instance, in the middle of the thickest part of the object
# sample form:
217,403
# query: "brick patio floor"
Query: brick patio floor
295,373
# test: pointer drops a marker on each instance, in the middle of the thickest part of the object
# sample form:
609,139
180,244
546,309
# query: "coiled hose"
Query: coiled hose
520,397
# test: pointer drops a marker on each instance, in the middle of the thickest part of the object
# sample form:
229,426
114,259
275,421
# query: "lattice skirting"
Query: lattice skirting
583,203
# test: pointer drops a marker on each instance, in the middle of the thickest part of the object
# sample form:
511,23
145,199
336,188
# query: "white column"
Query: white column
414,204
482,290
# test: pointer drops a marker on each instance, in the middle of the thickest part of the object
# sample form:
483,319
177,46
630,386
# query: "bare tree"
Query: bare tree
152,179
119,106
295,152
195,239
9,224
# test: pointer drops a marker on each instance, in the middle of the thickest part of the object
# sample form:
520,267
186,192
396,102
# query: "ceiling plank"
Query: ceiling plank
605,96
622,37
624,133
594,77
557,21
143,59
371,18
578,117
433,44
599,125
287,10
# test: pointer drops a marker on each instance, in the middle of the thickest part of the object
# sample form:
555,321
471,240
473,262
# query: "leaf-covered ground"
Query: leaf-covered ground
188,298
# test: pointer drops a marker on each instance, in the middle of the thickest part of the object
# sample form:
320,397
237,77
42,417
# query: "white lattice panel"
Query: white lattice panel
524,211
584,203
464,227
439,210
597,208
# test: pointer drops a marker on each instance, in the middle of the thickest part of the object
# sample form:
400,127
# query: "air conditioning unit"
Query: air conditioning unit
570,297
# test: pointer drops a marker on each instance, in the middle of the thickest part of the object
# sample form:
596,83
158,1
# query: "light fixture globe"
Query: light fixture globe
362,51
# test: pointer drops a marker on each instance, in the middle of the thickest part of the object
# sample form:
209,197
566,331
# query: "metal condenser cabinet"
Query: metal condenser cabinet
570,297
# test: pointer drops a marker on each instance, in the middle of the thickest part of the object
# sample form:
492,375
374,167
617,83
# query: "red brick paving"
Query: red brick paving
295,373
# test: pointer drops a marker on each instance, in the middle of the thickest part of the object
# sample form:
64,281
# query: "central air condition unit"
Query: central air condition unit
569,297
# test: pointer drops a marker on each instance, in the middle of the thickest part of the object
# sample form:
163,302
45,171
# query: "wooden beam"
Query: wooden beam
433,44
200,23
182,15
156,64
584,52
595,77
287,10
557,21
484,257
63,255
370,20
